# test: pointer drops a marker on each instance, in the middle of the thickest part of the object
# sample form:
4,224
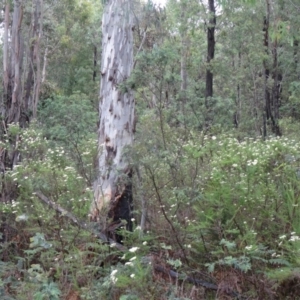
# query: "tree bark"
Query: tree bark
14,98
37,85
267,107
210,56
113,188
34,76
45,61
5,57
210,50
272,99
95,63
11,106
184,48
277,77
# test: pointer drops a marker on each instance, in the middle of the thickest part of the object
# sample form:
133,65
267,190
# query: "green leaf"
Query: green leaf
175,263
228,245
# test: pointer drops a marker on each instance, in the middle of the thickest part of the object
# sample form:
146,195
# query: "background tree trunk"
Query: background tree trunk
113,189
210,56
14,98
210,49
34,76
272,98
184,50
5,57
267,113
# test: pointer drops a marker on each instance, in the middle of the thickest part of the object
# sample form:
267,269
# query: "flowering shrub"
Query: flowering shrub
234,201
212,203
37,238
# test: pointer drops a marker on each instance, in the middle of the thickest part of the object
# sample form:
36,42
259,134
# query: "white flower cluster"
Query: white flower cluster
113,277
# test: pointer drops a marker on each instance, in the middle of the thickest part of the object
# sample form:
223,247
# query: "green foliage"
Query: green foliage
48,291
68,119
47,236
227,198
70,122
215,198
39,241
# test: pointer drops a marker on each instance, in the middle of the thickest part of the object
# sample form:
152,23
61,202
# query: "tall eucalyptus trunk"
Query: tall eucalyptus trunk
34,75
14,56
5,57
11,102
113,188
21,77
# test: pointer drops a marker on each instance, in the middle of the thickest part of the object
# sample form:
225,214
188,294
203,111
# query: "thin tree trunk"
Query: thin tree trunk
5,58
45,61
95,64
210,49
277,77
210,56
238,104
34,76
183,66
113,189
295,47
30,58
14,100
38,77
267,114
272,100
183,69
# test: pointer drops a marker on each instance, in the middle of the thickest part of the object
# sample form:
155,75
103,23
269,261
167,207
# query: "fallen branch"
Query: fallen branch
120,247
194,281
79,223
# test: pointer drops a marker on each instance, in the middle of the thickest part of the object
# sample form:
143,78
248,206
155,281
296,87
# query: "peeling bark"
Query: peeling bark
113,190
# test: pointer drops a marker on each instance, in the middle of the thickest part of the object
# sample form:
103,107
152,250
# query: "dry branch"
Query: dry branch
194,281
77,222
120,247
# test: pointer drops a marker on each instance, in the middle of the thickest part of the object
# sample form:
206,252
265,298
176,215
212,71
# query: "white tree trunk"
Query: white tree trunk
44,71
14,105
38,79
5,54
116,129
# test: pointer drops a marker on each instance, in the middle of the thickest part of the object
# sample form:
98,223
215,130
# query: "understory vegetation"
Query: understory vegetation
218,208
216,188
